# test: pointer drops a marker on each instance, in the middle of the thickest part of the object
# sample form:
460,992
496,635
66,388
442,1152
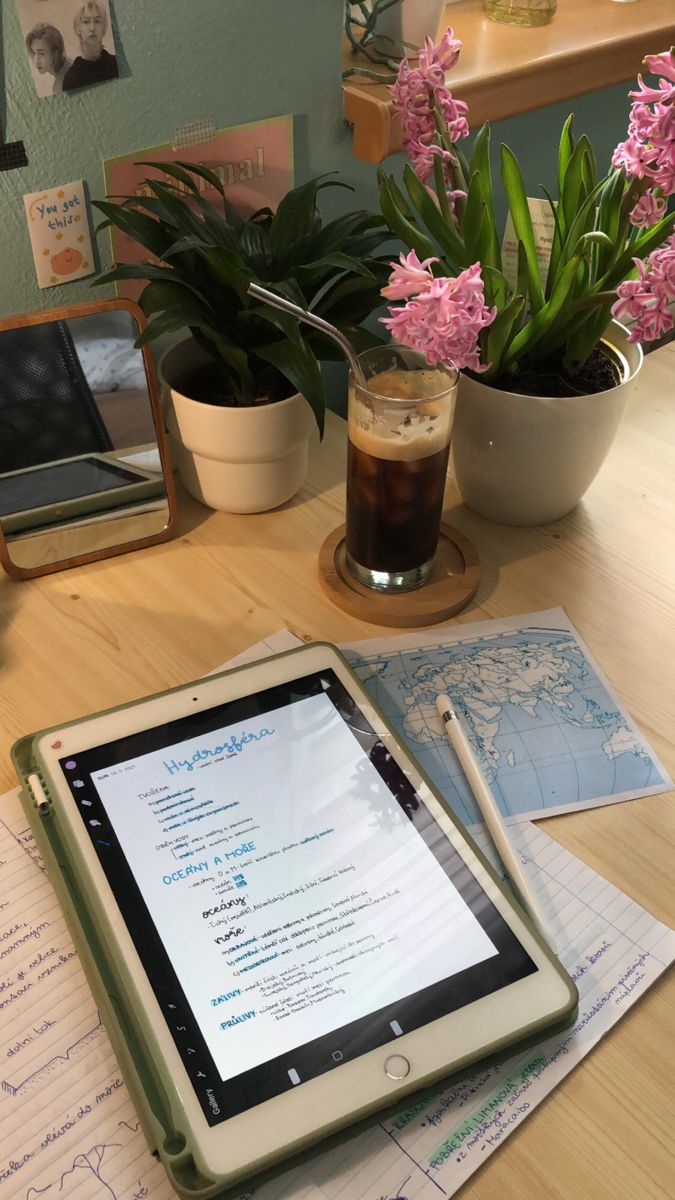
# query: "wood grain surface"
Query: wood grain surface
112,631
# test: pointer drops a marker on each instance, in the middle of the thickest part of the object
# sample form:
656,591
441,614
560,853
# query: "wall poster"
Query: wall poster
253,161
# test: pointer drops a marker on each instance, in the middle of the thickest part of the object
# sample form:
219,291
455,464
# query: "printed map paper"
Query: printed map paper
550,734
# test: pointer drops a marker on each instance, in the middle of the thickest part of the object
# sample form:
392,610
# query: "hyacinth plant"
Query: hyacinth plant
613,247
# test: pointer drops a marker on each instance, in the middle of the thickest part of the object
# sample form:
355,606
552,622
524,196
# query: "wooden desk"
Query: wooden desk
115,630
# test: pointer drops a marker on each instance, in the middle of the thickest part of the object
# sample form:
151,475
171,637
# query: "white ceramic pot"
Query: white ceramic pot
411,21
527,460
242,460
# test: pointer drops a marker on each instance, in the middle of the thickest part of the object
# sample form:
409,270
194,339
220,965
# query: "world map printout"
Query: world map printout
548,731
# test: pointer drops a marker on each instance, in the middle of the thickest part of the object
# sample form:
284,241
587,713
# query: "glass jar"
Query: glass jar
520,12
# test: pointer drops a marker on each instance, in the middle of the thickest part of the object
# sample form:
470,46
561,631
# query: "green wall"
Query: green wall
232,61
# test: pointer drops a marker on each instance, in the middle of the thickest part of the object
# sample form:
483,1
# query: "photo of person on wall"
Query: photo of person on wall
94,64
47,53
70,43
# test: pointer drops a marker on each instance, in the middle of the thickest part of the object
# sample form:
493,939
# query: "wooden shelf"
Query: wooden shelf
505,70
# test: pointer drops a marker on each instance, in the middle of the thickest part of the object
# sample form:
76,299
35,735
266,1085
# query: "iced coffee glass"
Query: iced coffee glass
399,440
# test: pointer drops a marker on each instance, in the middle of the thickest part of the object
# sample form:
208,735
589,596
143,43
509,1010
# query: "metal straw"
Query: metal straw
261,293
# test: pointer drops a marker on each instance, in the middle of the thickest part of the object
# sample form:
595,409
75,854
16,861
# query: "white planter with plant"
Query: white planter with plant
242,460
527,460
533,362
243,395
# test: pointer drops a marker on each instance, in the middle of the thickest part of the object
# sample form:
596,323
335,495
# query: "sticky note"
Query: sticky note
59,233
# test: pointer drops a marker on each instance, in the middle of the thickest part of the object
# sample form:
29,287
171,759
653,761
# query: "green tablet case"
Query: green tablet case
152,1090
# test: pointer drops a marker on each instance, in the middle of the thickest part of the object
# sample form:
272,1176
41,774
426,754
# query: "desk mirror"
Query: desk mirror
84,471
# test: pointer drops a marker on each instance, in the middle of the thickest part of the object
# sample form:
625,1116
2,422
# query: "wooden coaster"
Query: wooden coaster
453,583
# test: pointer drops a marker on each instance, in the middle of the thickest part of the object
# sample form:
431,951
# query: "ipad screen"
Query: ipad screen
292,899
57,482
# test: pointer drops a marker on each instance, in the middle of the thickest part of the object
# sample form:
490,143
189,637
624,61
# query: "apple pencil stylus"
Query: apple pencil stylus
493,818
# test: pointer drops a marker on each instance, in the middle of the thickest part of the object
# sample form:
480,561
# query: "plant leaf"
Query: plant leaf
167,294
556,244
522,223
474,222
297,363
295,217
138,226
138,270
499,332
609,216
496,287
643,245
283,321
572,194
542,321
449,241
480,164
398,216
565,151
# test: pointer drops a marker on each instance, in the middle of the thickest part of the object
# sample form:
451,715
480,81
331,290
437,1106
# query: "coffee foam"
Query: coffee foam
401,444
396,384
412,434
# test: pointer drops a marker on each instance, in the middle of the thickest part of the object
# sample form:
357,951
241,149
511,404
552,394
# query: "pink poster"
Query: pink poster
254,163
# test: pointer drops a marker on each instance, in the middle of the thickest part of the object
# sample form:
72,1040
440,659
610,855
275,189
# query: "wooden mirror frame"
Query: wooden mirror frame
87,309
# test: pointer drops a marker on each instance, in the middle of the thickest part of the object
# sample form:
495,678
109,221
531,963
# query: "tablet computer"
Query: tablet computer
283,925
70,488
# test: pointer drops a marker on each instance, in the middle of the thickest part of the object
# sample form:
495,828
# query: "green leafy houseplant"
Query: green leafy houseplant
203,258
613,250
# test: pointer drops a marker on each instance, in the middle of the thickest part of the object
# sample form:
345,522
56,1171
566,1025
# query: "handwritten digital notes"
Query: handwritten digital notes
59,233
66,1119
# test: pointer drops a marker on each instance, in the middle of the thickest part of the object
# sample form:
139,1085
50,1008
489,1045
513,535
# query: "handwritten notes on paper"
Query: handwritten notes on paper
67,1126
59,233
65,1114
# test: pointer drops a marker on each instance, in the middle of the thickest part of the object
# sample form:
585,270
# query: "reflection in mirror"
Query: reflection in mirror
83,468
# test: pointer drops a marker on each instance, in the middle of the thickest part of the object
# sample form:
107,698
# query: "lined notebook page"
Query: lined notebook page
67,1126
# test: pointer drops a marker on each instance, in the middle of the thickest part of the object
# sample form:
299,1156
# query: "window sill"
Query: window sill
505,70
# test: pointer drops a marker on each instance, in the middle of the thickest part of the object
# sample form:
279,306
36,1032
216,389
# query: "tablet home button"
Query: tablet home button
397,1067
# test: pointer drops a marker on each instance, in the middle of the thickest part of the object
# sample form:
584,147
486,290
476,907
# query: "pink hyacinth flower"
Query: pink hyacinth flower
648,210
443,320
649,150
646,300
417,94
443,55
409,276
661,64
634,156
